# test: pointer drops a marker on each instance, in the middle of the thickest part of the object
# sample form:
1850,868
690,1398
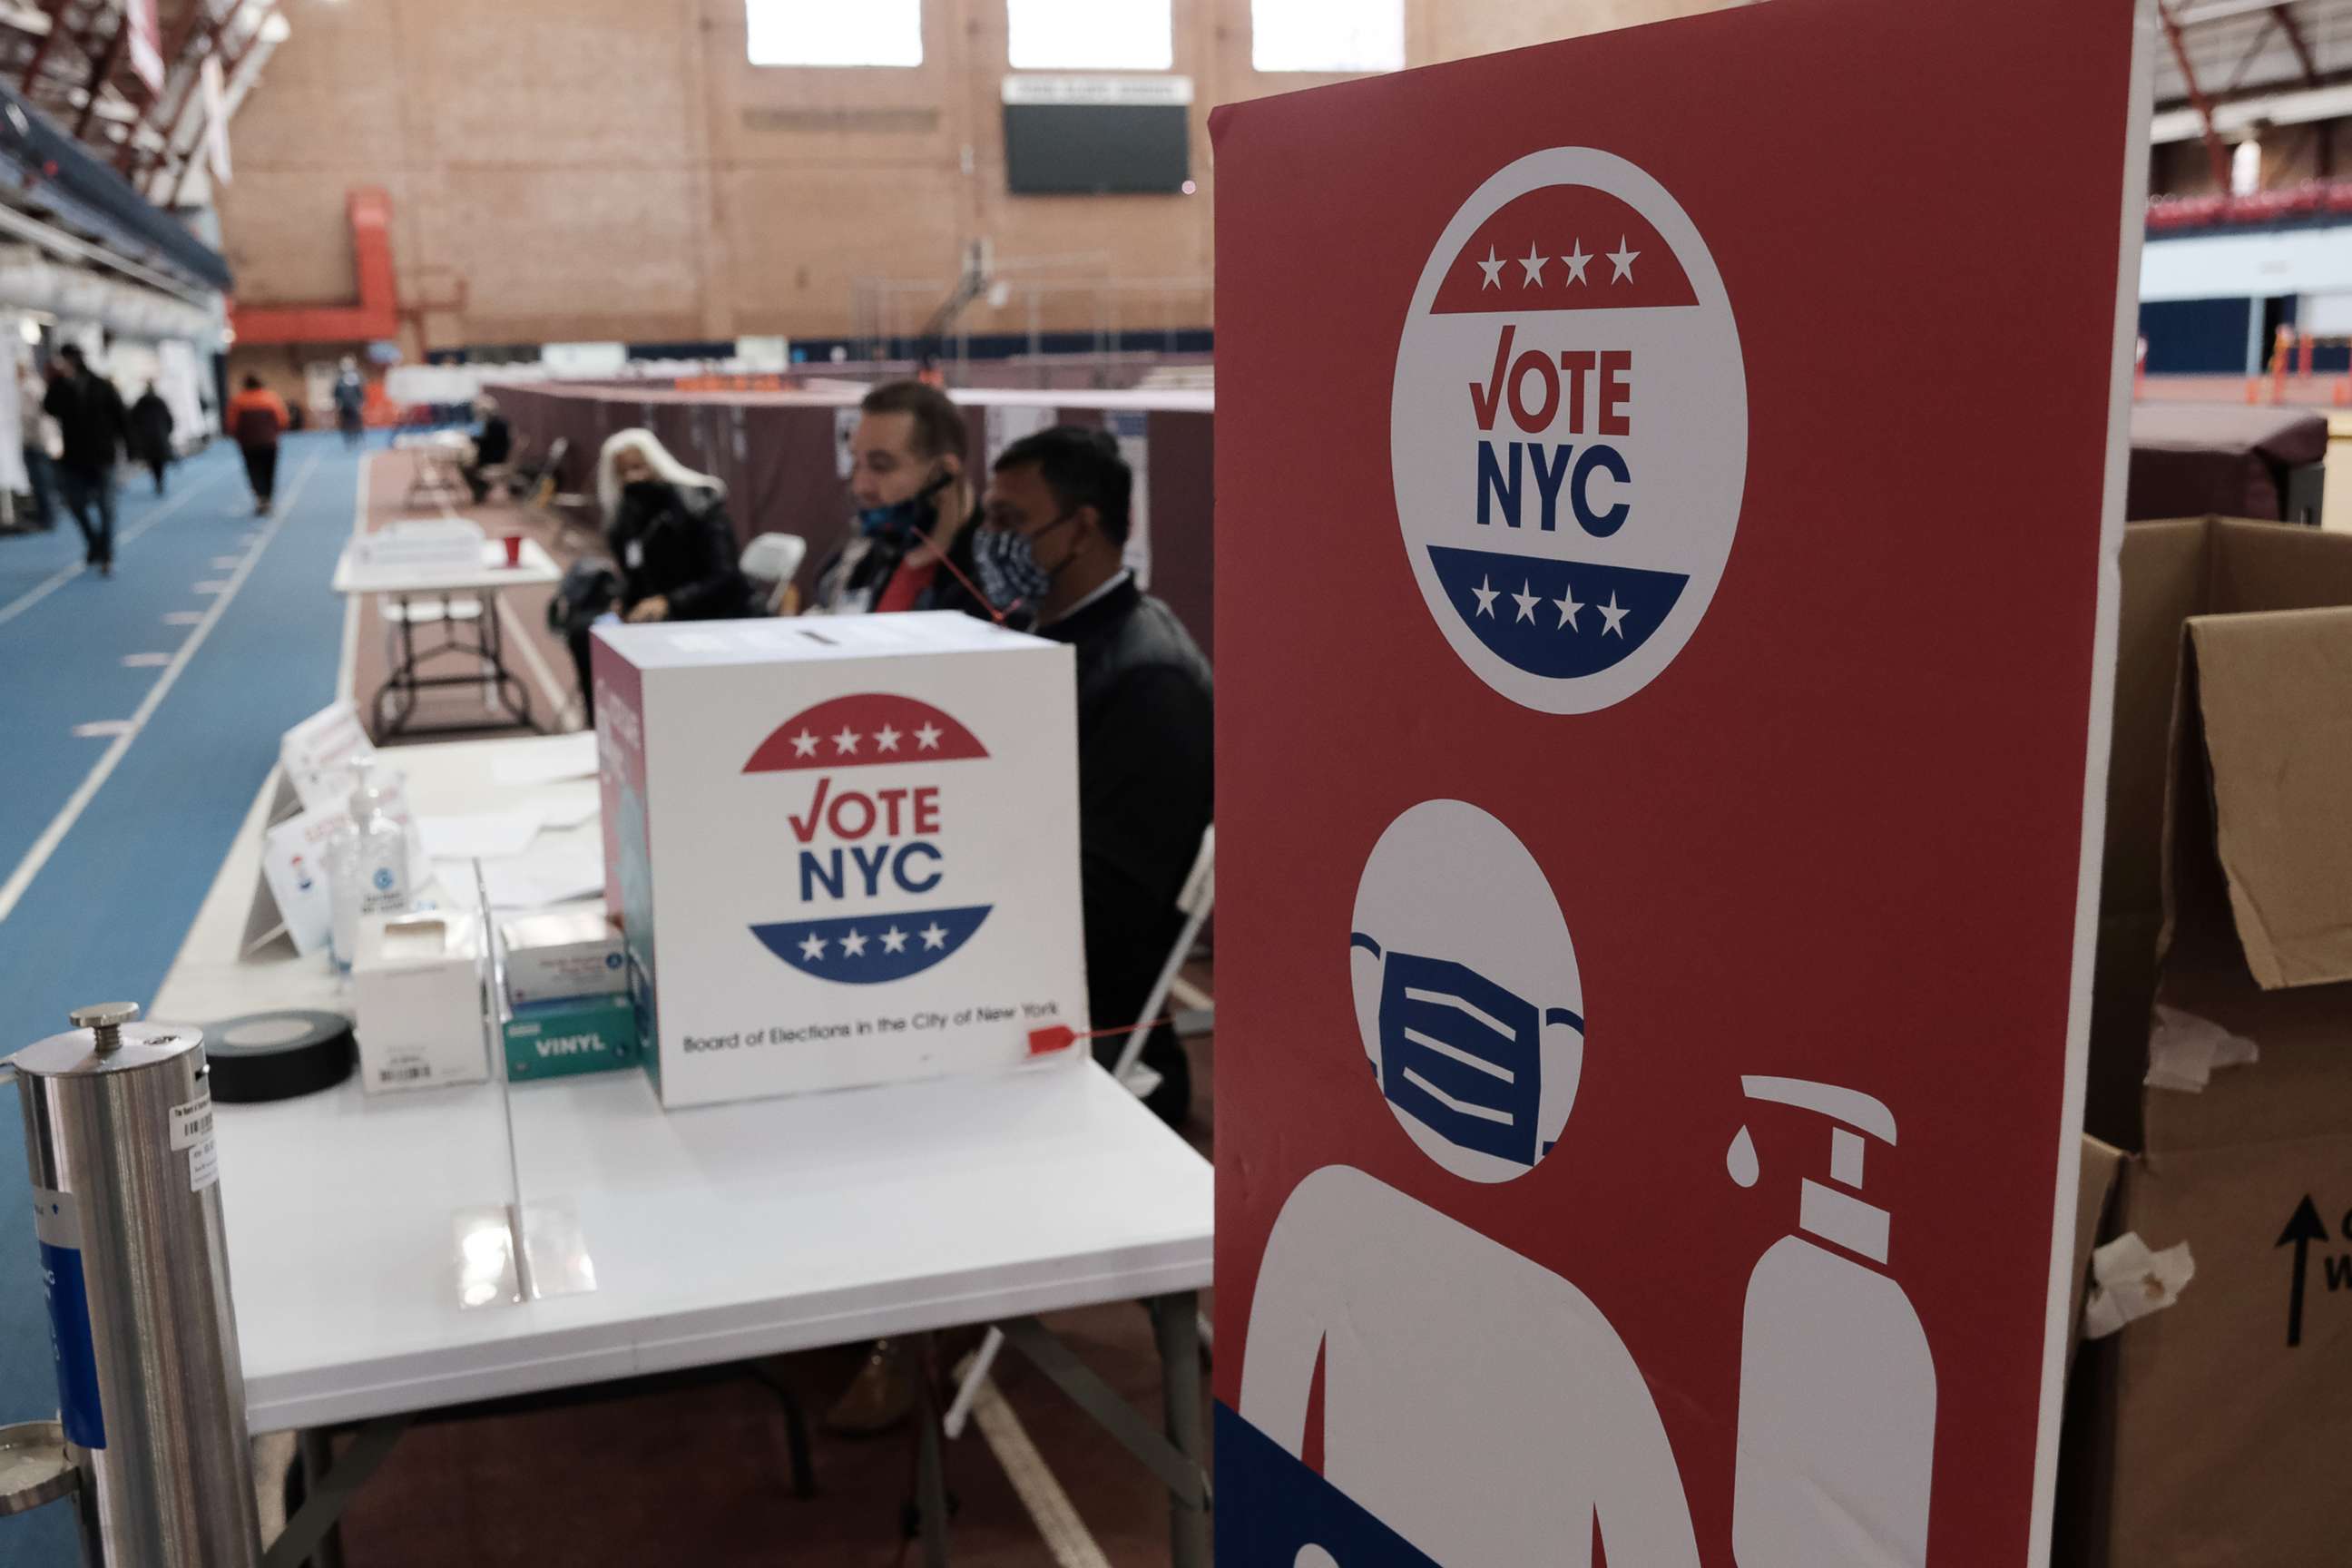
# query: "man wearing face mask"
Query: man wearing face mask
1049,558
912,537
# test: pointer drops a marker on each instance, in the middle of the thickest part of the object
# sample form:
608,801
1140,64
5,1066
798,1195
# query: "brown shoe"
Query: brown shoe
879,1398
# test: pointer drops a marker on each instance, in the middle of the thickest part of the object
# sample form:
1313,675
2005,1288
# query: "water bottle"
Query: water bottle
368,866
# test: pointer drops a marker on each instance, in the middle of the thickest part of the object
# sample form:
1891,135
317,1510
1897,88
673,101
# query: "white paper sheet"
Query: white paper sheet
571,804
480,835
560,757
555,872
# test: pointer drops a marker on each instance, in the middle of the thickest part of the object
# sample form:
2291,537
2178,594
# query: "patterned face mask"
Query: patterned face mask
1010,577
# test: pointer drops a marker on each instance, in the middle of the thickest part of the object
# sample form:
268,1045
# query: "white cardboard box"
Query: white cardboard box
844,850
561,954
417,1001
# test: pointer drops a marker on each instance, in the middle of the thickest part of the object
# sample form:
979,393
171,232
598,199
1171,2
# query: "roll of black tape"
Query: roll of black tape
278,1056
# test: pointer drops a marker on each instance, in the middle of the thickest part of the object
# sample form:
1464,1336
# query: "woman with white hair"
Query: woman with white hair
671,542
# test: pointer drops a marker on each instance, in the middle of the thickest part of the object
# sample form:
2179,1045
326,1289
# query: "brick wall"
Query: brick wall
590,170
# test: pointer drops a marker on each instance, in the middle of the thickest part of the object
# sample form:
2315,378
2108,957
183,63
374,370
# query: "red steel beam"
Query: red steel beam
57,15
228,74
375,317
99,70
200,20
2298,43
2213,148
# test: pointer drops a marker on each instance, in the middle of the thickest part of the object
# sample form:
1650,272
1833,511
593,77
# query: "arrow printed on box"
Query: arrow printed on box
2302,1230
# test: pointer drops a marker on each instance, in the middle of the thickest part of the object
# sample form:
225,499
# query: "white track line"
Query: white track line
558,705
1067,1536
13,891
66,574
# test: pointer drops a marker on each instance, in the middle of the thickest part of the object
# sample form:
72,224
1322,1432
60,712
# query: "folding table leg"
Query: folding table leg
1176,1324
312,1534
931,1463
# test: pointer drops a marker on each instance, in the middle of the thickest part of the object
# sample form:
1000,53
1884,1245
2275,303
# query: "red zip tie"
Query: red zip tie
970,586
1055,1037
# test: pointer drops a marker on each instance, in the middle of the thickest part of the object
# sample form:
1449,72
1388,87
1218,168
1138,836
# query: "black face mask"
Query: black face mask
646,495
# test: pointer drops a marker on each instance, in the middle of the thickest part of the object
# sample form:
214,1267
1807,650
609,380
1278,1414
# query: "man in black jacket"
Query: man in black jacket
94,425
1049,555
910,545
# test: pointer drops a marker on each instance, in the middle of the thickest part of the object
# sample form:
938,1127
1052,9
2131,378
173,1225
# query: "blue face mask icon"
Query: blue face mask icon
1463,1055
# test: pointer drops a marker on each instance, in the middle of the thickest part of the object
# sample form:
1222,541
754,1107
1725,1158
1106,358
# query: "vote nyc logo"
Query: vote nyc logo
1567,430
869,811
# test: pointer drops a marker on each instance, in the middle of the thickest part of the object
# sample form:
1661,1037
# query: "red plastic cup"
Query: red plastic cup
514,548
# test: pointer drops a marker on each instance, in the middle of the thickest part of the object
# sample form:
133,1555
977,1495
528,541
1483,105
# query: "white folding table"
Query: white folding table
714,1235
482,658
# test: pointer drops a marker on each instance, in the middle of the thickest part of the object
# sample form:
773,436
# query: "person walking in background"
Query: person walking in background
351,402
93,425
38,434
257,419
150,434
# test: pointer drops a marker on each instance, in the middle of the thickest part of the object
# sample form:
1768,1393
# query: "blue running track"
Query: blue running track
109,838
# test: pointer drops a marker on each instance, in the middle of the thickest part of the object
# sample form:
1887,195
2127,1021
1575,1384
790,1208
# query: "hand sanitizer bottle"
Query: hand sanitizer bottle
1837,1388
367,867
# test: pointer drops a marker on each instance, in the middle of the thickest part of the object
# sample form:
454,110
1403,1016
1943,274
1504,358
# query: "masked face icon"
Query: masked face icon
1467,997
1463,1055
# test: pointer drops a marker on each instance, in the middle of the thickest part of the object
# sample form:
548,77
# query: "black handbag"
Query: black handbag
589,589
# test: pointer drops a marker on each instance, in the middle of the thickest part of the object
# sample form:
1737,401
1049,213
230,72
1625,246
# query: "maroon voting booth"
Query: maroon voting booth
1666,501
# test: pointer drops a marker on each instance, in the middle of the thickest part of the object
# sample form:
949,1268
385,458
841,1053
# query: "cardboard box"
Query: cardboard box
2095,1182
844,851
579,1034
563,954
416,999
2213,1431
2171,571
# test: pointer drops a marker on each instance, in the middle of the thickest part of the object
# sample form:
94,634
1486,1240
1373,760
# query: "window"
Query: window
1327,35
1090,34
832,33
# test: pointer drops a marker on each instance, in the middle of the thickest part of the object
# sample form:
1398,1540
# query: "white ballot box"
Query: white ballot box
842,851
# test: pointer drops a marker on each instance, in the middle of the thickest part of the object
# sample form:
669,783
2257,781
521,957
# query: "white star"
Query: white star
1493,268
853,945
1577,261
927,738
804,744
885,738
933,935
1611,615
1568,608
894,941
1533,264
846,741
813,947
1527,599
1622,260
1485,598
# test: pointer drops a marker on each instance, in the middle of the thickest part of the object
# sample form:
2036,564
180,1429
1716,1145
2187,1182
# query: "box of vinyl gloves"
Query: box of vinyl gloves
843,851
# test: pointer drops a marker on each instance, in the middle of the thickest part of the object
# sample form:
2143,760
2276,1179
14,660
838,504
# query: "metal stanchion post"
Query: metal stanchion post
117,1133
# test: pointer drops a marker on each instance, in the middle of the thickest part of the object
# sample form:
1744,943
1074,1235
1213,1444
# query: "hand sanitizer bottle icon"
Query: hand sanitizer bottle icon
1837,1390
